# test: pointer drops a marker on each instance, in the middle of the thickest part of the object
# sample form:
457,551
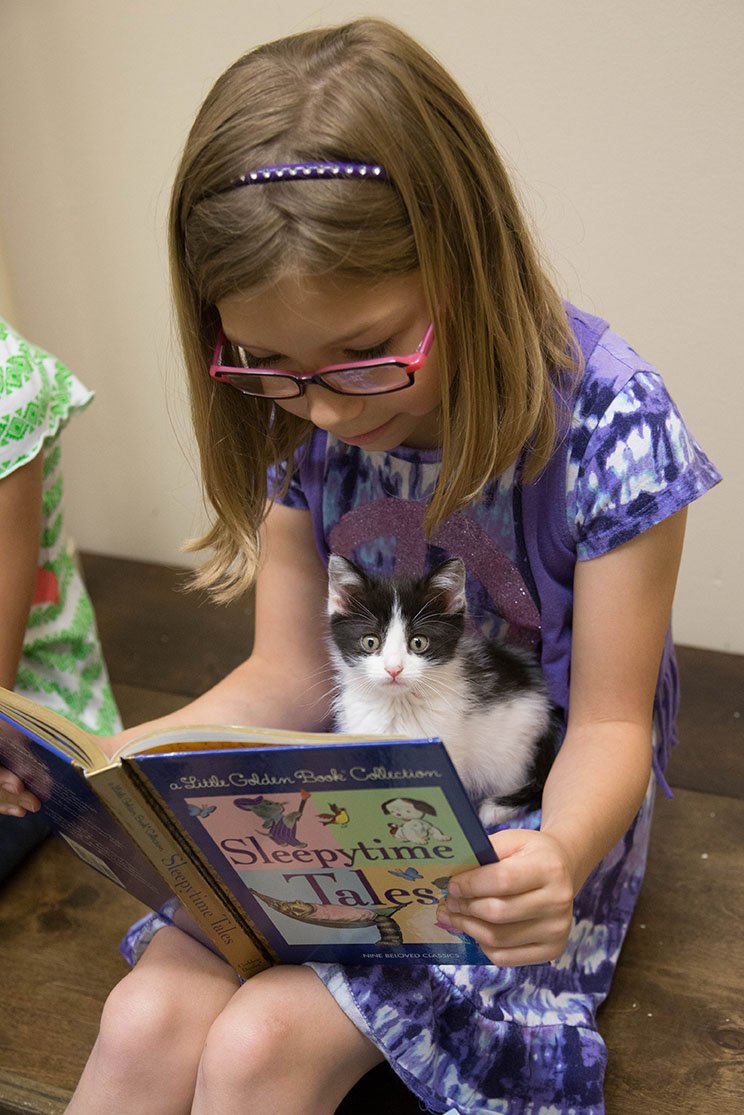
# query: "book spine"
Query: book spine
196,855
219,920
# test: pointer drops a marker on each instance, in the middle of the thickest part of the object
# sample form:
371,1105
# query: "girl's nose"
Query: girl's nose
331,411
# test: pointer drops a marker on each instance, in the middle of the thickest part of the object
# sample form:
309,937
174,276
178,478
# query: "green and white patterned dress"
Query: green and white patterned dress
62,664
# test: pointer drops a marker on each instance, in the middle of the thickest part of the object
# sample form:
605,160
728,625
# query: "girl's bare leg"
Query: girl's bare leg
153,1029
280,1046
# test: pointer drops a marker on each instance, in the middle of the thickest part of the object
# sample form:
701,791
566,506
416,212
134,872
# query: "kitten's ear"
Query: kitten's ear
344,579
448,580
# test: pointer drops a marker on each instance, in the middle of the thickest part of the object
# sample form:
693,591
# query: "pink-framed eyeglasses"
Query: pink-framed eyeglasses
379,376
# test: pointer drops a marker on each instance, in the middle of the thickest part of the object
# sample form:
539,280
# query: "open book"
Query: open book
271,847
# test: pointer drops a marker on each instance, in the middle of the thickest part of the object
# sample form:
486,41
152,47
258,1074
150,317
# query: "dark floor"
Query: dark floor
674,1024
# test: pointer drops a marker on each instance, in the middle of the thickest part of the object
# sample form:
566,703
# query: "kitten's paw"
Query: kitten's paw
492,814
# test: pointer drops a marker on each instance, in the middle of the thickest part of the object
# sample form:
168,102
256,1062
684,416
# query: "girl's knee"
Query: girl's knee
138,1020
249,1047
151,1020
264,1032
285,1039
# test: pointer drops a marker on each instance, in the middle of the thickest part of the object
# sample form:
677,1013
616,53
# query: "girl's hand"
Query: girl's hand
15,799
520,909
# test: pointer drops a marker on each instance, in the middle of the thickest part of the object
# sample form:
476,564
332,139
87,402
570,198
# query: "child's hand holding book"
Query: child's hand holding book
15,799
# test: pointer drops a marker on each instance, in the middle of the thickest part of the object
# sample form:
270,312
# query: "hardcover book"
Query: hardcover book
269,846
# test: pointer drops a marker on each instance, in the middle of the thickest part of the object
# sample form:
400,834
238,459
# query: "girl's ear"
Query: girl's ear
344,580
448,582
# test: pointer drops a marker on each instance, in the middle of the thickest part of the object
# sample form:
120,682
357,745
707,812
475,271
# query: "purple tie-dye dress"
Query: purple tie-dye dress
478,1040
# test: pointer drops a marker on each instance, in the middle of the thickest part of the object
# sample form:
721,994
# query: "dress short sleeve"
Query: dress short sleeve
37,395
305,489
294,496
639,465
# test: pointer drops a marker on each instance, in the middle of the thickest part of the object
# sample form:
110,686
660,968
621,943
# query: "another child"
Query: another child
49,648
337,196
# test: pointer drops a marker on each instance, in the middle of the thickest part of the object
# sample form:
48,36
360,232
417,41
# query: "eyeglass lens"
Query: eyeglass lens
349,381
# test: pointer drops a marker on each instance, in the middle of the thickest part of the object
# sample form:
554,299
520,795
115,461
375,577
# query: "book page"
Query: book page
217,737
51,727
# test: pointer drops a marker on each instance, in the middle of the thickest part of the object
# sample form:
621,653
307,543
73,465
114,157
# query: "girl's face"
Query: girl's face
303,324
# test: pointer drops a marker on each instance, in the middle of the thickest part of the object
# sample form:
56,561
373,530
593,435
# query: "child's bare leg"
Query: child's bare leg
281,1045
153,1029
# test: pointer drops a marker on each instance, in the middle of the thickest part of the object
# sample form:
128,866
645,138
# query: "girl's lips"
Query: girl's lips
364,439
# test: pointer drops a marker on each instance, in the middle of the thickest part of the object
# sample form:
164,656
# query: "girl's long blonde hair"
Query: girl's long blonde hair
364,91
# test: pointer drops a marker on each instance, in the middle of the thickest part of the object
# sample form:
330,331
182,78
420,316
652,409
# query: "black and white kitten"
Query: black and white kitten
406,666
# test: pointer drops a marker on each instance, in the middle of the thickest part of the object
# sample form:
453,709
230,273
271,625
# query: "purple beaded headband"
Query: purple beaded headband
289,172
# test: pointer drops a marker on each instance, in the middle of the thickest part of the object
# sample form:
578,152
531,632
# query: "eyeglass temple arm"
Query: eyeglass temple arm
427,338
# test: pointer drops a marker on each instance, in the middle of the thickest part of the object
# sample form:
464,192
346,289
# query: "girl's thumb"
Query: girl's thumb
507,842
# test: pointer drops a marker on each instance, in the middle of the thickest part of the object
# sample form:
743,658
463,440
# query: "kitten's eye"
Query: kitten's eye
418,644
369,643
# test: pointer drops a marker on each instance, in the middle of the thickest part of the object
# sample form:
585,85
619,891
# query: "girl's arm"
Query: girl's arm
20,530
520,908
622,611
286,682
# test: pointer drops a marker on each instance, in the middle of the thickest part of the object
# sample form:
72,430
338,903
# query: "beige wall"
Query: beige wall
622,123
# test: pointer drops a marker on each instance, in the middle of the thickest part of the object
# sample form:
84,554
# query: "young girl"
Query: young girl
49,647
352,268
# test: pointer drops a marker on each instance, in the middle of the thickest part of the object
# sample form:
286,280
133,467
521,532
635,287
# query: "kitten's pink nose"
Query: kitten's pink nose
394,669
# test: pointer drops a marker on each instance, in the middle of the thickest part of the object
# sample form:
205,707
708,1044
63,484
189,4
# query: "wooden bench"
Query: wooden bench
674,1023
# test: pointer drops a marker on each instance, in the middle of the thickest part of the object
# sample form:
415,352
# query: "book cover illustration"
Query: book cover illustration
335,853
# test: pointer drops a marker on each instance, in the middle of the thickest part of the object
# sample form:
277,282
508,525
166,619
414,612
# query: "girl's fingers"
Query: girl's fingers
535,863
15,804
520,958
501,911
487,935
10,782
509,880
496,880
14,795
542,938
10,805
